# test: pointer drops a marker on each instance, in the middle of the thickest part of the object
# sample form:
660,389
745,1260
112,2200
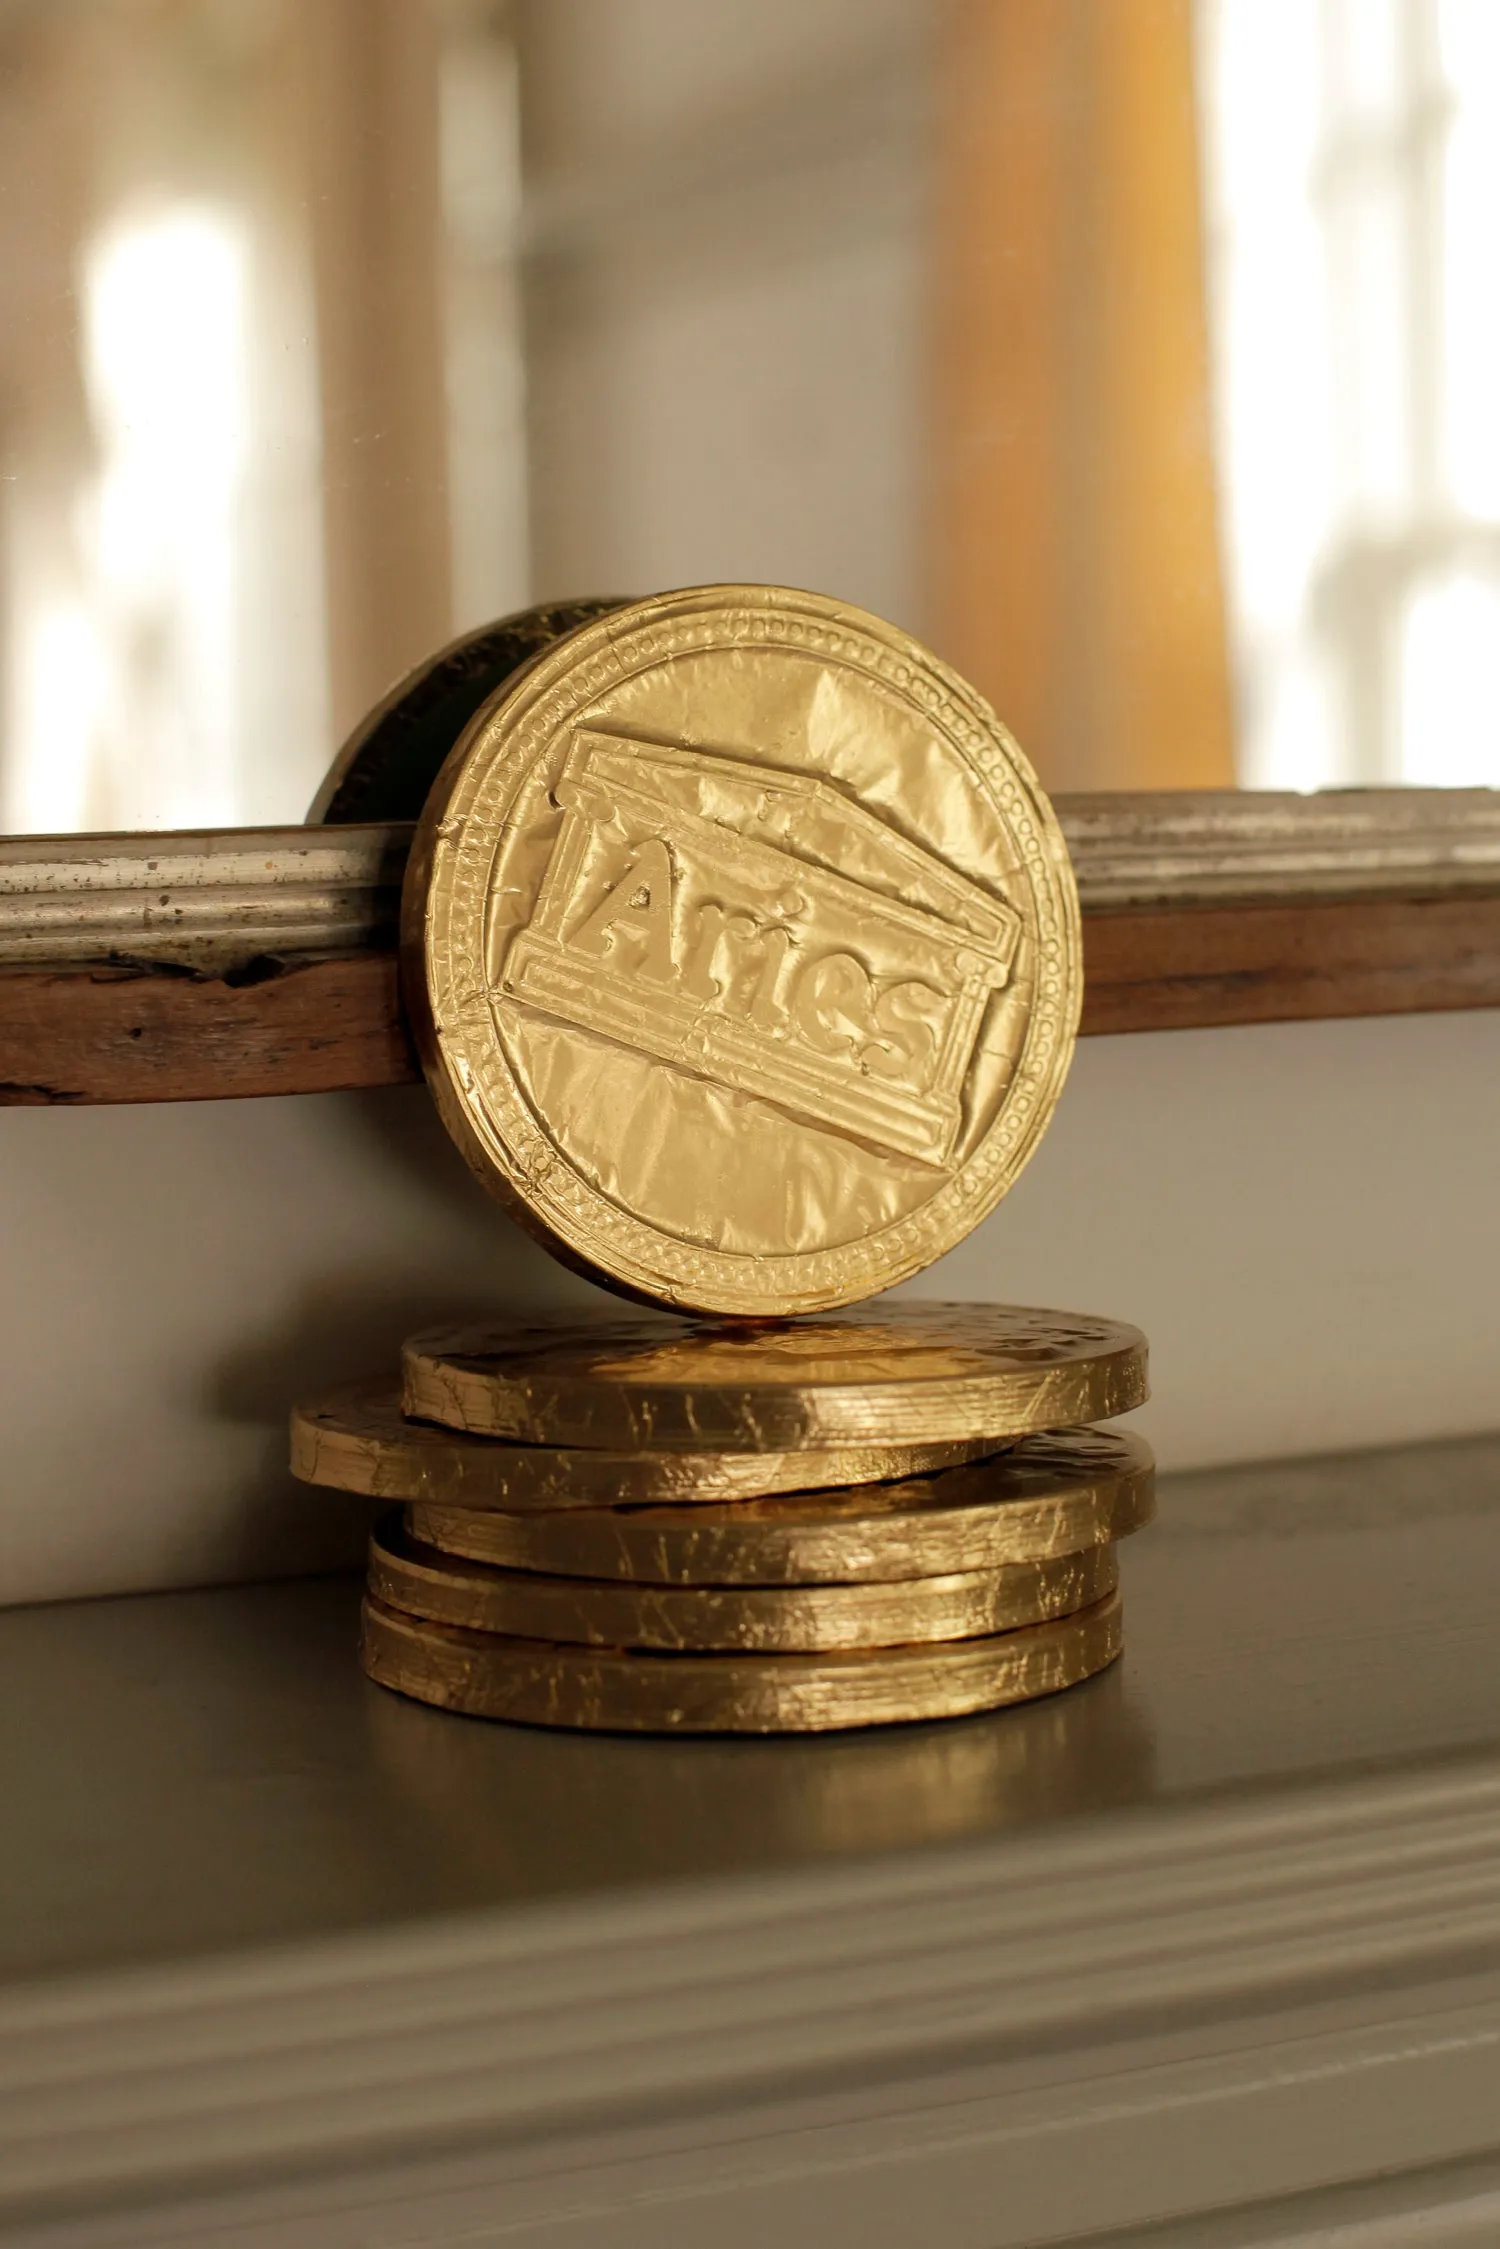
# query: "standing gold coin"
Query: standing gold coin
897,1374
419,1581
357,1439
1052,1495
742,950
612,1691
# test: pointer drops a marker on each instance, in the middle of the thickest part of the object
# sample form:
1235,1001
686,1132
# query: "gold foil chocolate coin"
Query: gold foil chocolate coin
742,951
1051,1495
419,1581
912,1373
358,1440
613,1690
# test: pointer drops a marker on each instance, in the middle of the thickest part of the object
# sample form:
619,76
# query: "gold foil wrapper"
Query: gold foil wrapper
357,1439
532,1682
742,951
1050,1495
895,1374
419,1581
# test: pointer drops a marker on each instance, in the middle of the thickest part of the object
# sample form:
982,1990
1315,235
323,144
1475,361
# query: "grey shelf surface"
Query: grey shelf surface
206,1774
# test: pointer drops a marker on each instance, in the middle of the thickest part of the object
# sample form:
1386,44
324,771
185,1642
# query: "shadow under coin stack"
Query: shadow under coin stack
742,952
638,1525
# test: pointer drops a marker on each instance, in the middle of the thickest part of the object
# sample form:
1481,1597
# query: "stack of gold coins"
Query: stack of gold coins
742,952
641,1525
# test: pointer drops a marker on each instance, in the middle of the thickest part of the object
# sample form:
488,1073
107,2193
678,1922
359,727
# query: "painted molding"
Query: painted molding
1275,1982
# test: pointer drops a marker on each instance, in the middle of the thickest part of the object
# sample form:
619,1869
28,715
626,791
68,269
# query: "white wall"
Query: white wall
1305,1219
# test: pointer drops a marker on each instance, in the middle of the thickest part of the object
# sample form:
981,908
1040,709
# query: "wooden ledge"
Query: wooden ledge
151,1033
1183,968
257,961
72,1035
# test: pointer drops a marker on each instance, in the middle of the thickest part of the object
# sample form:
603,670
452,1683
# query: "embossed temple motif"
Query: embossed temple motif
758,928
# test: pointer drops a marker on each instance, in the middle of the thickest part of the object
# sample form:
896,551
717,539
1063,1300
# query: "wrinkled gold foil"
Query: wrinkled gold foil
420,1581
536,1683
897,1374
357,1439
742,951
1051,1495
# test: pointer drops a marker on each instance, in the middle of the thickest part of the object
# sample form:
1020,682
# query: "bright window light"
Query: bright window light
165,359
1470,49
1352,163
1450,683
55,716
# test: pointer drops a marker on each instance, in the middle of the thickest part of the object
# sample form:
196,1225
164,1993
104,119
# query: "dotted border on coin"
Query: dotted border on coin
630,1250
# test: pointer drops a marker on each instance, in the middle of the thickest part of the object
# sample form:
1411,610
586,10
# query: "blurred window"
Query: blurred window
1142,355
1353,158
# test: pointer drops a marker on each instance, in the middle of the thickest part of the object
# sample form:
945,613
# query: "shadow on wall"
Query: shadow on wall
351,1320
176,1277
1302,1217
